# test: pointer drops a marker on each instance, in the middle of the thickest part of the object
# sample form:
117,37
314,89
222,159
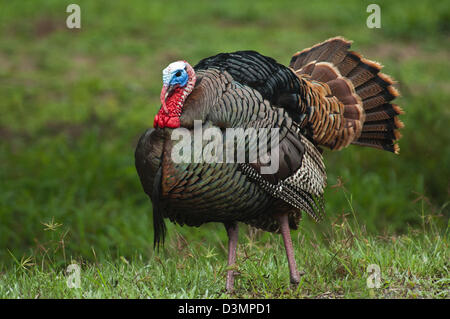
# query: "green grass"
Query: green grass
412,265
73,103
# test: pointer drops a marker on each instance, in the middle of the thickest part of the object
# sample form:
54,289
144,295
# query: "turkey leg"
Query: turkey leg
286,233
232,231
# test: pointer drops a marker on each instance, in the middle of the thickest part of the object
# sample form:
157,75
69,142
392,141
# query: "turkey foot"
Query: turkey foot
286,233
232,231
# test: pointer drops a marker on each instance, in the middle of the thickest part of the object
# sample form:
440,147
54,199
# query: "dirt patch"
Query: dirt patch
4,62
72,130
45,26
405,52
5,133
17,64
52,128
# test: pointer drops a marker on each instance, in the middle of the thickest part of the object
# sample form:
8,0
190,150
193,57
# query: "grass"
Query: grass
412,265
73,104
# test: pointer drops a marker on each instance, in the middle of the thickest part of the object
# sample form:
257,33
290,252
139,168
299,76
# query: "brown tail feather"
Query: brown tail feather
383,112
333,50
380,144
342,83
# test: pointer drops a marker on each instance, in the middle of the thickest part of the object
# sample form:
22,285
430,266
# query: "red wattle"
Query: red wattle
169,116
173,122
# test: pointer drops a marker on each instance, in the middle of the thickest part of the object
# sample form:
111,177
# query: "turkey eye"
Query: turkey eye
178,74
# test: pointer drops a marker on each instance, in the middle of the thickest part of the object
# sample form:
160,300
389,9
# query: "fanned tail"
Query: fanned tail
351,98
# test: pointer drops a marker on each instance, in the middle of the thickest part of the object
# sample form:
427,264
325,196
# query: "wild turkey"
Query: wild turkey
328,96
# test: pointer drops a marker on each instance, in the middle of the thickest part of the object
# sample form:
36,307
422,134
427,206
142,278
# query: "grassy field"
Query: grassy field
74,102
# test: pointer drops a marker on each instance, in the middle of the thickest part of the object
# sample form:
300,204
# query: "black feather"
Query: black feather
271,79
159,227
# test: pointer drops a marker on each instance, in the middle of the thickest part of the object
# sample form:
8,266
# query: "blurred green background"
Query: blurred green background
74,102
